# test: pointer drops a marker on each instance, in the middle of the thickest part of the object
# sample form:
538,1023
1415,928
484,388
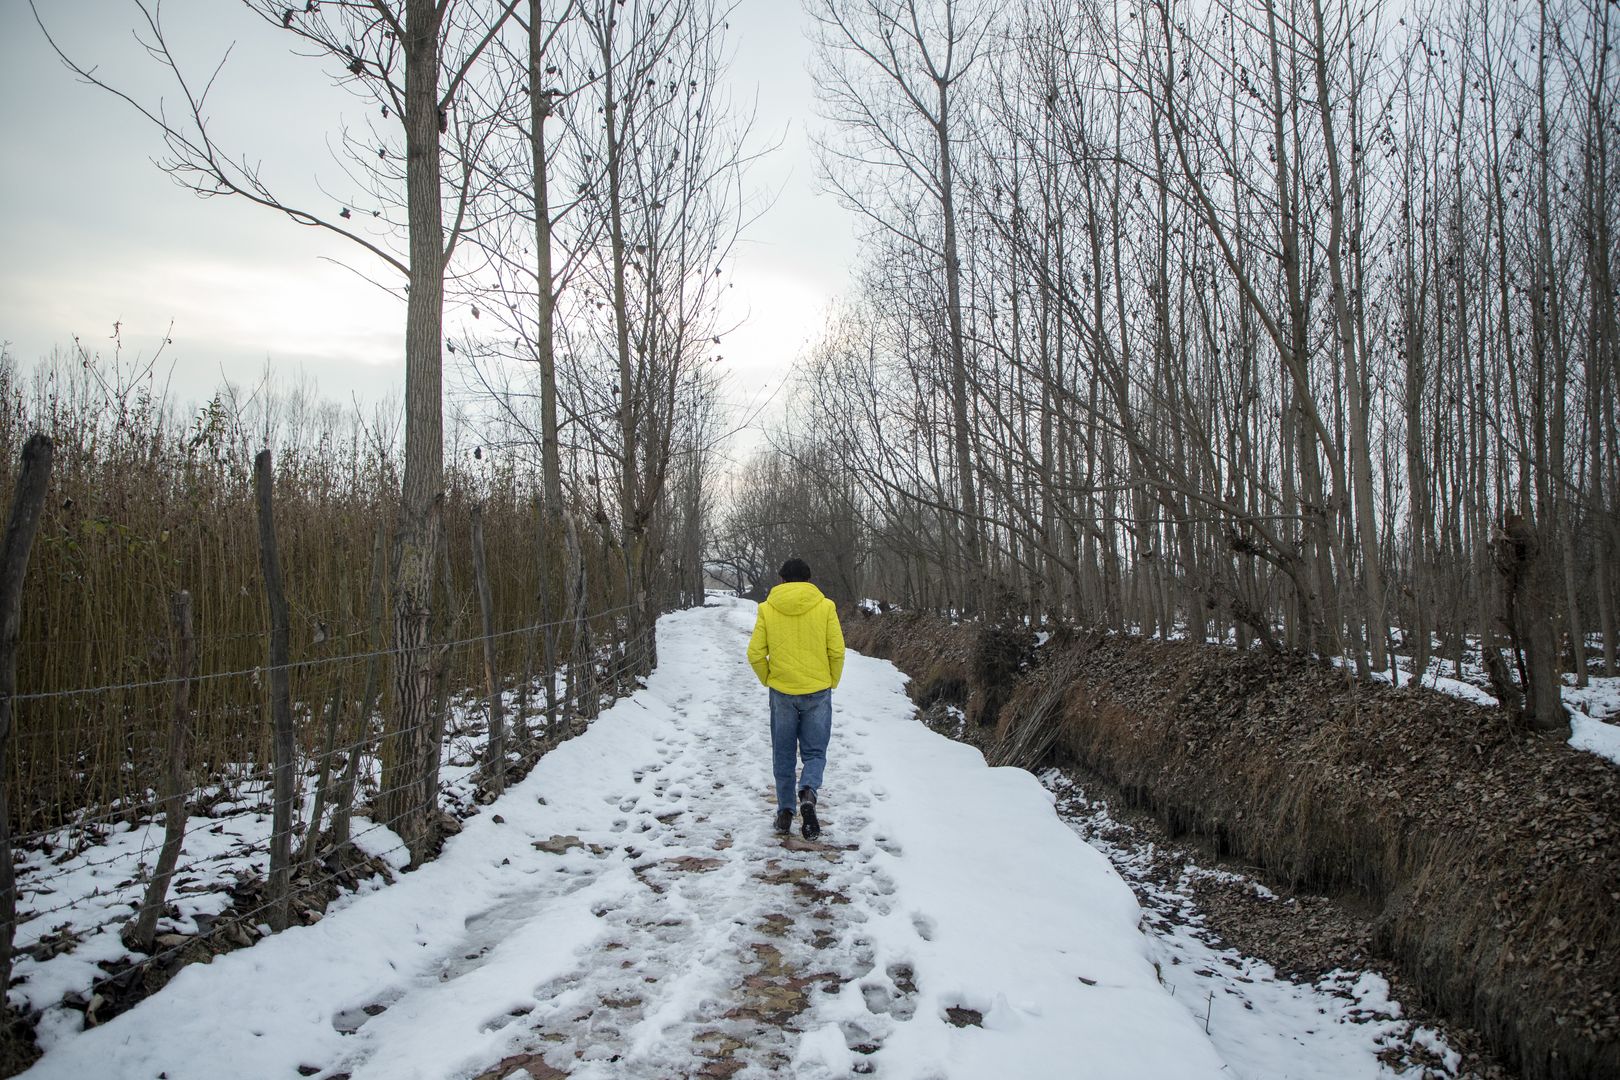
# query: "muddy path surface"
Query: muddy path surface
705,967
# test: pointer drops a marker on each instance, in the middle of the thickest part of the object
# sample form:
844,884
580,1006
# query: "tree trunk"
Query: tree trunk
1527,590
973,575
1365,525
545,287
404,803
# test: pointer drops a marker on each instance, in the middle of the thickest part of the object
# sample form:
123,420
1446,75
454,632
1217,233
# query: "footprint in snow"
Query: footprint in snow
893,996
501,1021
349,1021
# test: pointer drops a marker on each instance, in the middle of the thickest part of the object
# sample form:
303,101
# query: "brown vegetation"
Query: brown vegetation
148,503
145,502
1490,856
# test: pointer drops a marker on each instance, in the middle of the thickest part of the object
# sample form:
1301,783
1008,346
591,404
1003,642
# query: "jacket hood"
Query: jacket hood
794,597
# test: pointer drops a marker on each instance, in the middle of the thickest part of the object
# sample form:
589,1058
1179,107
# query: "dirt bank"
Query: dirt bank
1486,858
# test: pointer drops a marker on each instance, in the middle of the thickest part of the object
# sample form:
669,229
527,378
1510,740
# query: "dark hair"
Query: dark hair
795,570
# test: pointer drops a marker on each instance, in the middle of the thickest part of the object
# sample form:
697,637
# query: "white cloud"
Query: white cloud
95,234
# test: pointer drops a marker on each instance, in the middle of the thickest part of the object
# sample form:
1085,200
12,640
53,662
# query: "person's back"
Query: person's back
801,640
797,650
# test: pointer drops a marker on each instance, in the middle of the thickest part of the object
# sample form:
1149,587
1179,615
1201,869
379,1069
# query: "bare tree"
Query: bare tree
411,57
1286,321
890,75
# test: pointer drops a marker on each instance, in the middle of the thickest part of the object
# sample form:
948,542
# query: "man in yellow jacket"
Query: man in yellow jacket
798,651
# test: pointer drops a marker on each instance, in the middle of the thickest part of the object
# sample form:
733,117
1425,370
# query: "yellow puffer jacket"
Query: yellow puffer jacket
798,646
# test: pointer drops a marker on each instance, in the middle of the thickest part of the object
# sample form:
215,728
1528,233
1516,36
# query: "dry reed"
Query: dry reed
147,500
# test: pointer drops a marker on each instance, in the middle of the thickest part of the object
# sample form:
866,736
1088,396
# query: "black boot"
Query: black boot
784,822
807,811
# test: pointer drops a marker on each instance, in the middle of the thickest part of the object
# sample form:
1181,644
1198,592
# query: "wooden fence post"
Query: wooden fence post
283,747
32,479
144,929
495,751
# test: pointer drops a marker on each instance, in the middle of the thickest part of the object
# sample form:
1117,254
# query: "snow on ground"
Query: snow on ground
1594,736
1593,712
625,912
1599,698
1343,1025
1591,708
79,886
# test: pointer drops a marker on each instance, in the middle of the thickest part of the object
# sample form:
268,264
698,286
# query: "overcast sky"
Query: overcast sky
94,235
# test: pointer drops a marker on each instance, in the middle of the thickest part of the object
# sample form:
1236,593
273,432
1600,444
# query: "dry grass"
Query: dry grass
146,500
936,653
1490,856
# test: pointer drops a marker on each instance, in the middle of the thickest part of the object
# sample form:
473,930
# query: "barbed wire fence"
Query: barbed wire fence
331,854
288,739
334,861
123,809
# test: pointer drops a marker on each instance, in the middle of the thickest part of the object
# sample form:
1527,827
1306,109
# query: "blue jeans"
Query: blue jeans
801,727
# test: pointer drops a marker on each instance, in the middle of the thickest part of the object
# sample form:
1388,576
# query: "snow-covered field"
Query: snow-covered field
79,886
625,912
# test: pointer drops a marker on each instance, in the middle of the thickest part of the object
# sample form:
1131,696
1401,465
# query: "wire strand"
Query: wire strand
318,661
609,677
366,743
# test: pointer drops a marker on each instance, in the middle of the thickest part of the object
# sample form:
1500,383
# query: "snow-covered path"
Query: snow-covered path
626,911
